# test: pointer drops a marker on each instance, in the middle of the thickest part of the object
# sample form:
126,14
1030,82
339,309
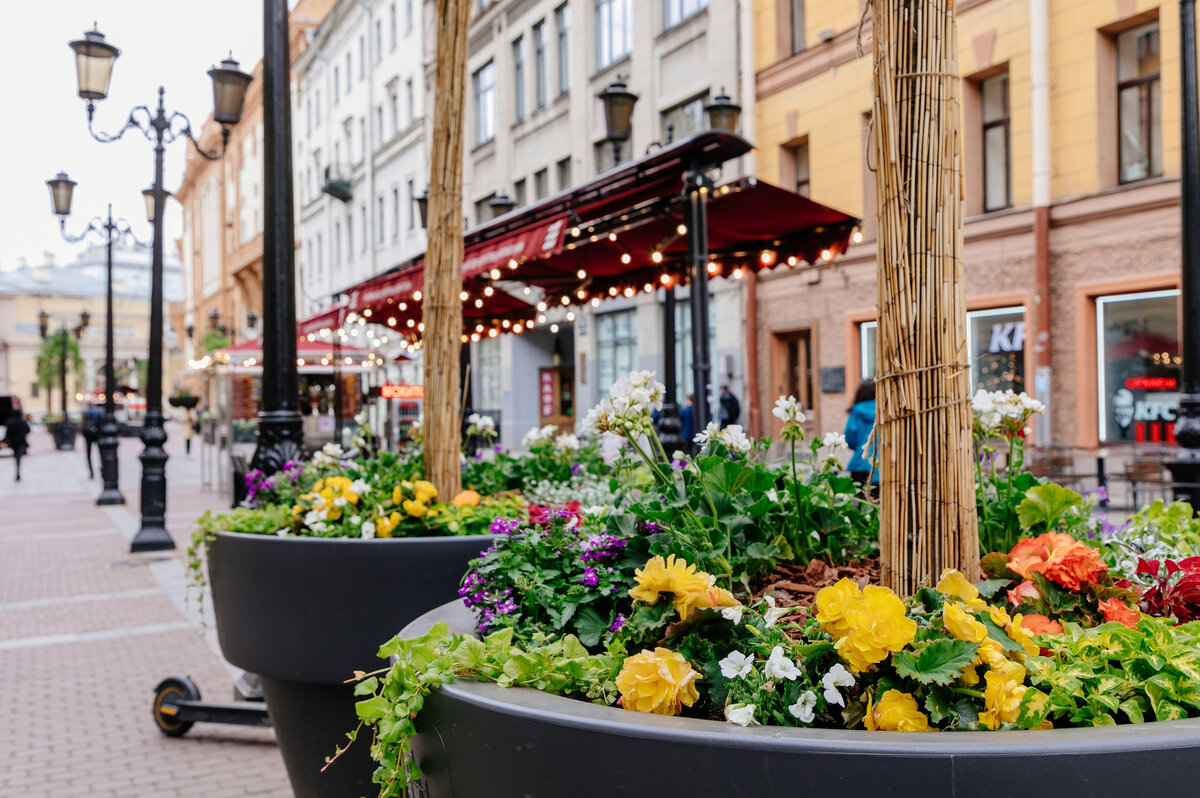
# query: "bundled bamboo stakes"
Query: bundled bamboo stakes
923,416
443,256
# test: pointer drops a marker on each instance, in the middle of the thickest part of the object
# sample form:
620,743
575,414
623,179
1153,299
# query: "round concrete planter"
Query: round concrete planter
305,613
480,739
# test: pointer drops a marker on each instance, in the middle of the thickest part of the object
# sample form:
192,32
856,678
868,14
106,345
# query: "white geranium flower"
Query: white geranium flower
710,432
773,495
355,520
741,714
733,614
802,710
772,614
567,442
835,442
780,667
737,665
788,410
368,530
837,677
735,438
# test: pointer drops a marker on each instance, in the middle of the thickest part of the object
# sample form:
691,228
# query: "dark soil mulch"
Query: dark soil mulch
794,585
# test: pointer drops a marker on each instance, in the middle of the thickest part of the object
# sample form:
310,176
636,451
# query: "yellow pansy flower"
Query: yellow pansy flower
397,495
662,682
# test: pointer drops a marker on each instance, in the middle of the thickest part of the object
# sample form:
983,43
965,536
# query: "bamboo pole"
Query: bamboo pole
923,415
444,253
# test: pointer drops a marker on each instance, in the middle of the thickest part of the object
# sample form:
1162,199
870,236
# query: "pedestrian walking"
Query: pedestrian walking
16,437
191,425
93,417
858,431
729,409
687,422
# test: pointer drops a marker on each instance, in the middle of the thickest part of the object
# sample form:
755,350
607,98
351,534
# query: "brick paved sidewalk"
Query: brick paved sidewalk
87,630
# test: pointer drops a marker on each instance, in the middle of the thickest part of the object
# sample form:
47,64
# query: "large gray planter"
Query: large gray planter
478,739
305,613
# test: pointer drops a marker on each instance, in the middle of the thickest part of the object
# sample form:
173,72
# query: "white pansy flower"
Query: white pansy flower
340,501
737,665
802,710
837,677
567,442
360,487
780,667
741,714
368,530
772,614
733,614
312,517
355,520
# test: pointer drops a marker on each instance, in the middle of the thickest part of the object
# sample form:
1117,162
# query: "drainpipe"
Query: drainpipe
369,156
1040,100
749,88
753,419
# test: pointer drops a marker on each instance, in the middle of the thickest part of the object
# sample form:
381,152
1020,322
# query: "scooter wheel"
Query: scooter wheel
167,696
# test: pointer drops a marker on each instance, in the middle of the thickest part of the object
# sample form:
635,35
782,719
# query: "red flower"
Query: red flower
1119,611
1040,625
1059,557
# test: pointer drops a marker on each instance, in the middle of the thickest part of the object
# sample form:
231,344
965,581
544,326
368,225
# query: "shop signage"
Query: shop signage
1152,416
1151,383
1007,336
390,391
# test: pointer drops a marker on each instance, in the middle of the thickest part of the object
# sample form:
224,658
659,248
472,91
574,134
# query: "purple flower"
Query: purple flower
506,606
590,577
504,526
649,528
498,448
679,464
618,623
479,457
1100,492
597,547
575,469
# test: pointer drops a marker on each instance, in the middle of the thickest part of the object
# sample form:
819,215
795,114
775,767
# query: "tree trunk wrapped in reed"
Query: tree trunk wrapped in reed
923,417
443,256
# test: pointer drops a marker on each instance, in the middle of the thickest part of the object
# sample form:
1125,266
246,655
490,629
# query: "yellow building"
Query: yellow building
1088,321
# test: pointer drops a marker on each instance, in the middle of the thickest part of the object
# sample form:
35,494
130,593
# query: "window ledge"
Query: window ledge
614,66
667,33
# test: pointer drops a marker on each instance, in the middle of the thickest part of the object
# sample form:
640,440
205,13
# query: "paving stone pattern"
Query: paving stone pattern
87,630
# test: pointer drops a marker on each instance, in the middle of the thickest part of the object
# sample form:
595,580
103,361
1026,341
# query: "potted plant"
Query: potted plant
64,431
185,399
686,606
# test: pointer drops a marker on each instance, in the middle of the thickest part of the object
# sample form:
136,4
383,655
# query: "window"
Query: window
362,134
485,103
349,77
320,253
365,238
378,40
379,123
349,236
337,85
518,55
394,99
797,157
997,175
317,111
562,24
395,213
995,346
798,40
308,108
519,192
487,360
541,182
362,57
684,376
1138,366
392,25
616,347
410,101
676,11
412,205
1139,104
563,168
379,219
408,16
614,31
337,241
685,119
539,64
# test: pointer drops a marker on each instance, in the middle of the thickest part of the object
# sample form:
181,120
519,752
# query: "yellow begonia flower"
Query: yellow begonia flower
1022,637
878,625
673,575
955,585
1003,694
896,711
397,495
703,599
970,676
415,508
834,605
962,625
662,682
424,491
991,653
385,524
999,615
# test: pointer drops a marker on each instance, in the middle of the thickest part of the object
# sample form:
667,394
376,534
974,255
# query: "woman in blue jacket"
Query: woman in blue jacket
858,432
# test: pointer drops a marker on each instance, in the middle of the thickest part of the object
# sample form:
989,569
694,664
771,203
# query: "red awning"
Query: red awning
325,319
304,348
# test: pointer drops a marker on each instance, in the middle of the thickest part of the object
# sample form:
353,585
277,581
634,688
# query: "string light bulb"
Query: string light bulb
478,328
613,291
566,300
656,256
575,232
681,229
478,303
857,235
581,295
494,274
512,263
367,313
541,318
792,261
629,292
391,323
416,296
403,306
488,290
738,273
581,274
665,278
571,315
412,323
626,258
826,255
525,291
553,328
595,302
541,305
712,267
492,333
766,257
463,295
506,324
475,337
421,327
612,236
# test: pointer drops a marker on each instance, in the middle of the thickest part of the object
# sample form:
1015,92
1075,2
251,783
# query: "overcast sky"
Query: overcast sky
163,42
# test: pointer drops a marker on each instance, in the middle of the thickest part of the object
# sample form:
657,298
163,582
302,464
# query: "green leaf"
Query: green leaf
1135,709
1044,505
940,662
372,708
367,686
997,633
589,625
990,587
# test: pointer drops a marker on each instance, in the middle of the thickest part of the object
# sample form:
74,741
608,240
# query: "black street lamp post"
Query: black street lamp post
65,441
61,188
1185,469
94,58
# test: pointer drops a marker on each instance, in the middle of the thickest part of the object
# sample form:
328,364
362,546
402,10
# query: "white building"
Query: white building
535,127
359,159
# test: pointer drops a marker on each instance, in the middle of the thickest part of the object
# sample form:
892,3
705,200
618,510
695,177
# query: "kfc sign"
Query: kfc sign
402,391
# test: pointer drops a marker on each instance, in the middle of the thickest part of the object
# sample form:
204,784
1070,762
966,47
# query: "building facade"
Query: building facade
1071,130
534,126
64,292
359,146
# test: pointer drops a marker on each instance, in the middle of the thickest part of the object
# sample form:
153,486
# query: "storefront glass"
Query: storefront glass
1138,366
616,347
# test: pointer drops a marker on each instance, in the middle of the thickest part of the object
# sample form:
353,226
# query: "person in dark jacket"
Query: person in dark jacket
93,417
16,437
858,431
687,422
729,408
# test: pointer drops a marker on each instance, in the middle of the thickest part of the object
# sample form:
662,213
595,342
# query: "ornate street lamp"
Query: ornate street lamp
148,196
501,204
94,58
723,113
61,188
618,115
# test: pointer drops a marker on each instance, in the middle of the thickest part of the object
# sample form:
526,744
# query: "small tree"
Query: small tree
49,361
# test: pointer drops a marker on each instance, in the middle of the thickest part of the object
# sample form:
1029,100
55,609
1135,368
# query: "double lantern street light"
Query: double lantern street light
62,188
94,58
